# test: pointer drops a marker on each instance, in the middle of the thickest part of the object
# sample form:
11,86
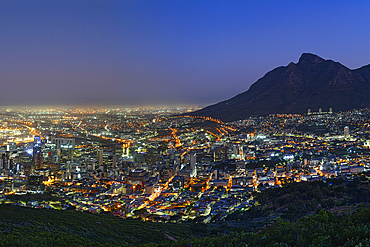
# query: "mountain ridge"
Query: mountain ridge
311,83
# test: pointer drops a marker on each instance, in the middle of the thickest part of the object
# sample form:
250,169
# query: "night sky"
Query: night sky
165,52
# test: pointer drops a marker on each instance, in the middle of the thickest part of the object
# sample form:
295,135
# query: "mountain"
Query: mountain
312,83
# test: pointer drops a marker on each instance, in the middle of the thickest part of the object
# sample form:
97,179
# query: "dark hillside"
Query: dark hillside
312,83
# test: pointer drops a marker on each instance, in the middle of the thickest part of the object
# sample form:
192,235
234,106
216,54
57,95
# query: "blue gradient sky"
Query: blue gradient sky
164,52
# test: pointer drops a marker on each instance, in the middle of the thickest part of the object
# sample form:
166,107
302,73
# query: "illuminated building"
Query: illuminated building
184,173
138,176
178,182
100,156
125,150
243,181
114,160
11,147
219,182
346,131
6,161
122,189
34,183
64,143
37,140
193,161
8,185
37,158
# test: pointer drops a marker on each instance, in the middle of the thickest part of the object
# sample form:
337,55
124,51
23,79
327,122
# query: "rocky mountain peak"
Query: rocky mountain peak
309,58
312,83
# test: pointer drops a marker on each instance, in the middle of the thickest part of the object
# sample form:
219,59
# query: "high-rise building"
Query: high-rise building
178,182
6,162
241,152
37,140
8,185
346,131
64,143
37,158
65,146
114,160
193,161
309,112
11,147
100,156
125,150
215,173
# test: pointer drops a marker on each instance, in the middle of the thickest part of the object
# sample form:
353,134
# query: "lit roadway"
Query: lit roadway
155,195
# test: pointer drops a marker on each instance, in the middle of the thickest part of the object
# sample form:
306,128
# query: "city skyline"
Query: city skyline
154,53
184,123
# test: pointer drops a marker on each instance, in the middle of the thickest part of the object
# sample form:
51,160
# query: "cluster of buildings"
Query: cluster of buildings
160,167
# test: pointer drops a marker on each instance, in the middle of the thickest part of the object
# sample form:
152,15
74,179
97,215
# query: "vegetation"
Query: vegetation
293,201
334,213
21,226
32,197
323,229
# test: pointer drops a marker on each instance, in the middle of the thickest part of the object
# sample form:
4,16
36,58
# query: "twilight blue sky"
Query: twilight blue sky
128,52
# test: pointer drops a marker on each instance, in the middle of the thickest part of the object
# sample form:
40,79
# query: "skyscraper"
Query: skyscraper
346,131
193,161
100,157
114,160
37,159
37,140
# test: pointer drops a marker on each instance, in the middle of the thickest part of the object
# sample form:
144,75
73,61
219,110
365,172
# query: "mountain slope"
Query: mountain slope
312,83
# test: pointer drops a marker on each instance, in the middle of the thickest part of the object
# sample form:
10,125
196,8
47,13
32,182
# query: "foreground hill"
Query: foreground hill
21,226
335,213
322,230
293,201
312,83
